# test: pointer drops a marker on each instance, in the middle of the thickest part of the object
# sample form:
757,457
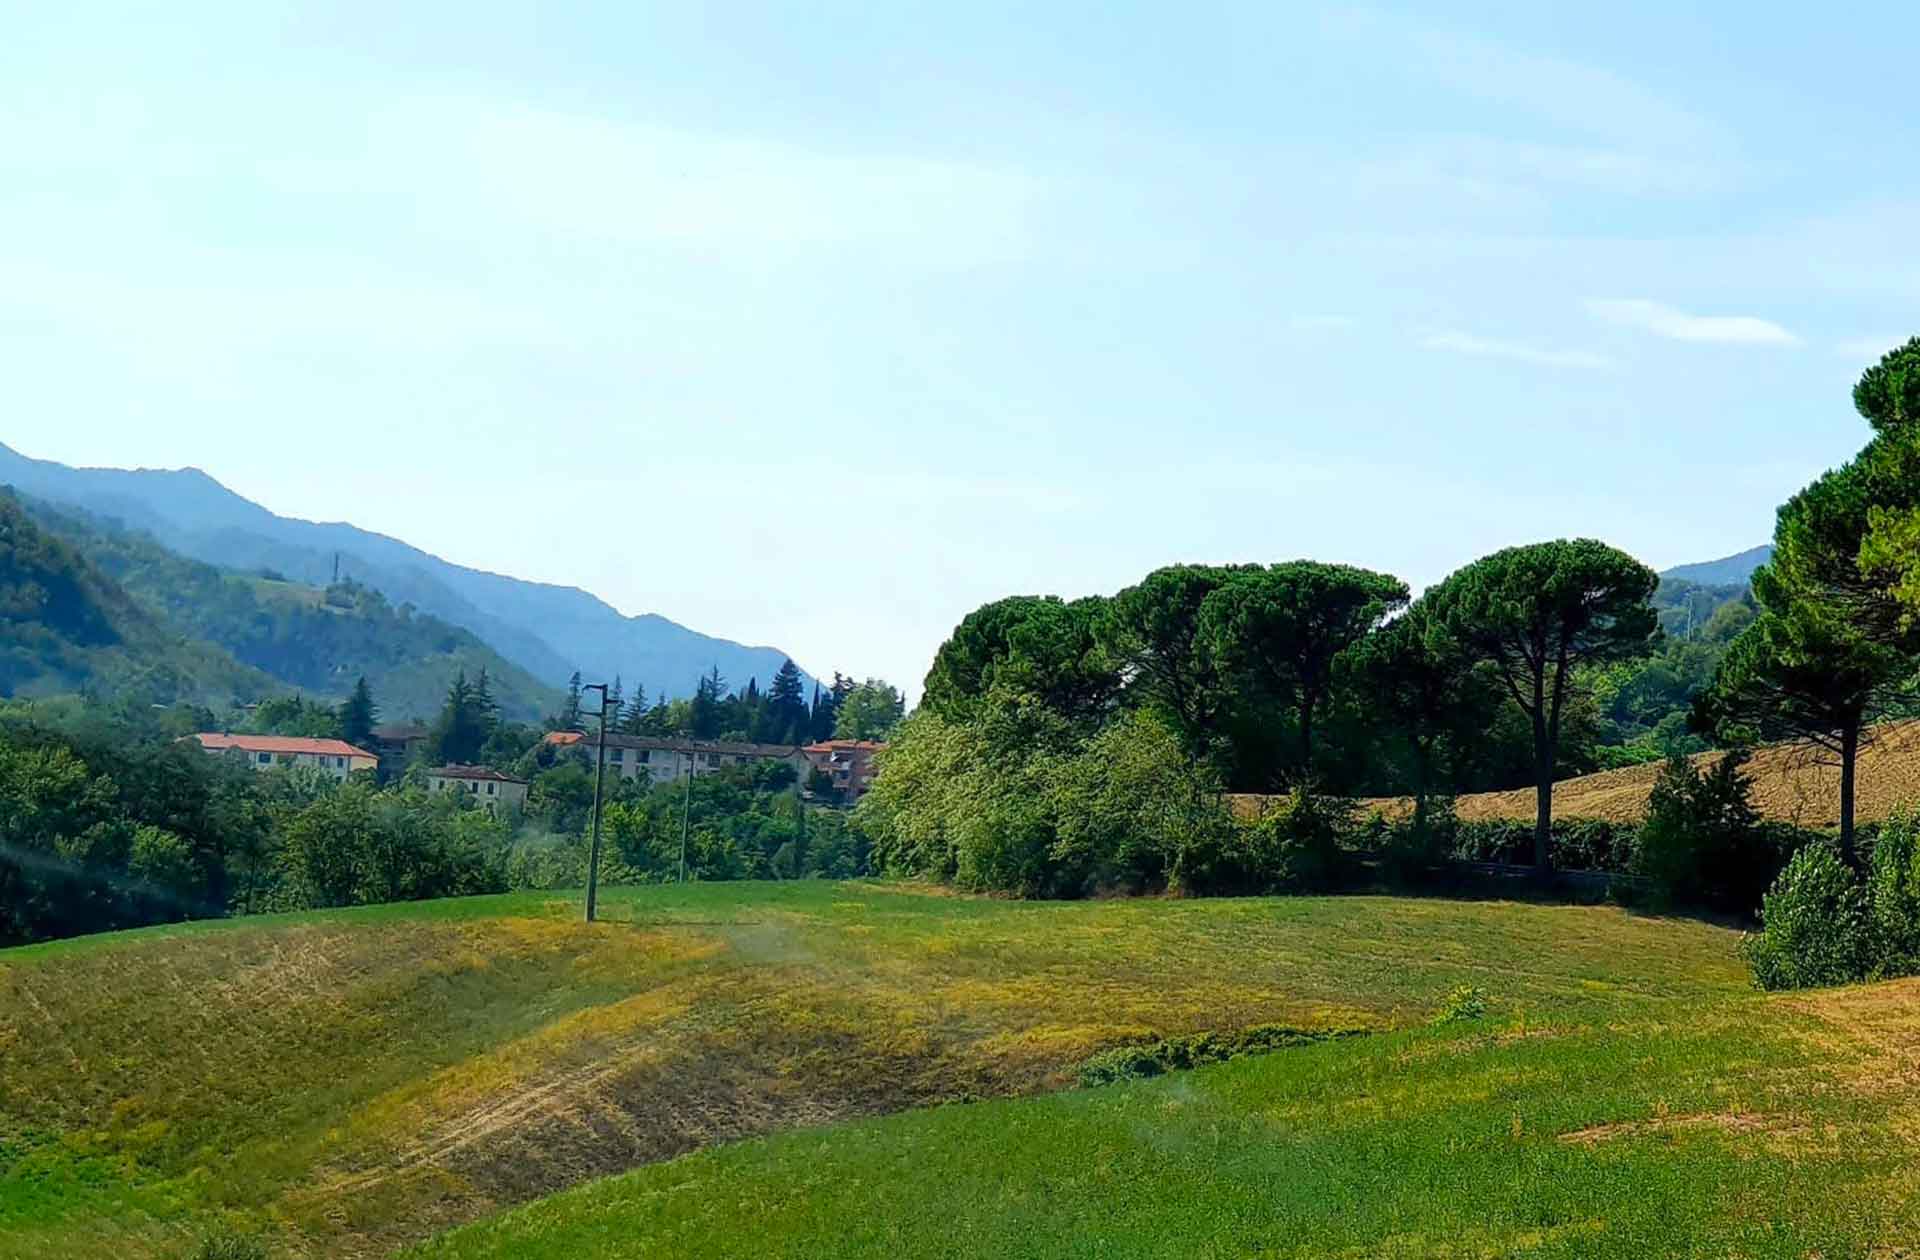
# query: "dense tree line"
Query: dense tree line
780,714
1306,677
108,820
1320,681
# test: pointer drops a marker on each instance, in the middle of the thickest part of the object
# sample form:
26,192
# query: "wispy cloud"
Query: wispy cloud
1867,347
1666,321
489,168
1493,348
1592,99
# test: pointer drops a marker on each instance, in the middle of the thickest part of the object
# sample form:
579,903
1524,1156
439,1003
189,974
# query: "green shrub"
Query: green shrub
1893,896
1703,841
1179,1054
1297,847
1463,1003
228,1244
1579,844
1410,850
1013,803
1815,925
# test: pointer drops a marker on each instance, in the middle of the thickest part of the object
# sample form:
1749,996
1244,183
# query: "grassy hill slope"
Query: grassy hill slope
313,638
65,625
1791,783
1743,1126
355,1080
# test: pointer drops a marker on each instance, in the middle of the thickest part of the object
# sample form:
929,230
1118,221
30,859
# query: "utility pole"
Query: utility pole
599,777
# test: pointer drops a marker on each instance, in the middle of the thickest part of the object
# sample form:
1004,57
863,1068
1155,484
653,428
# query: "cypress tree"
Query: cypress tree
357,715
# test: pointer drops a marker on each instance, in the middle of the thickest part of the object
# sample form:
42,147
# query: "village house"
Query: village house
665,760
847,763
491,789
396,744
334,757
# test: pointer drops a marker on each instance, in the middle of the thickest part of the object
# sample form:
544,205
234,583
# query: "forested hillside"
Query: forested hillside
312,638
547,630
1733,570
66,626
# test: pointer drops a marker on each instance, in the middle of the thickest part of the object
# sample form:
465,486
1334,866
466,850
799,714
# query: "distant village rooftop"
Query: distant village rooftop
483,774
280,745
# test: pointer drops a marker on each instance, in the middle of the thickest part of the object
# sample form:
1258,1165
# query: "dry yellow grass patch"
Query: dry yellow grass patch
1792,783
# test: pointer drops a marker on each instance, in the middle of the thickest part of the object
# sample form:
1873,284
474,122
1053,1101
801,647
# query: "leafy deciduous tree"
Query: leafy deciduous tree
870,711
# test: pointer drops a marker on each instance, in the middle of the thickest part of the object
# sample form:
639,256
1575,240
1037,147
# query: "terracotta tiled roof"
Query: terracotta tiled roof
482,773
846,745
285,745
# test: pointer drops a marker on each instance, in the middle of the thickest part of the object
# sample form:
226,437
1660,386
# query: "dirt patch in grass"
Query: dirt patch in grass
1725,1122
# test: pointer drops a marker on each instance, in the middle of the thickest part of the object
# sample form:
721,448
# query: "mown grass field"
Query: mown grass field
357,1081
1792,783
1745,1127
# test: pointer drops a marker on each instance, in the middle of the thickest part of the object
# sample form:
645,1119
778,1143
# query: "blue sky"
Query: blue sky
821,324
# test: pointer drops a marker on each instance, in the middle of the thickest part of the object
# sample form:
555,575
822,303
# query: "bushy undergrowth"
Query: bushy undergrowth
1020,803
226,1244
1178,1054
1296,845
1579,844
1825,923
104,827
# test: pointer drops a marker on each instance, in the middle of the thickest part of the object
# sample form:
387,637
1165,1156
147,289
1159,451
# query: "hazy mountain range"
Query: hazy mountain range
1734,570
548,630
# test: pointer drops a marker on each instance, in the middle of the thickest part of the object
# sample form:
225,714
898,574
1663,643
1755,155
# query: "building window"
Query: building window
341,762
489,789
643,756
619,755
713,759
266,759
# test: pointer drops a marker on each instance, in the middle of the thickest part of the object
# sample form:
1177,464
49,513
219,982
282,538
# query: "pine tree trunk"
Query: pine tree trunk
1849,754
1543,800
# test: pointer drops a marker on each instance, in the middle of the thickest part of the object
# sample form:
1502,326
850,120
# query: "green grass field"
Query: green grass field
355,1082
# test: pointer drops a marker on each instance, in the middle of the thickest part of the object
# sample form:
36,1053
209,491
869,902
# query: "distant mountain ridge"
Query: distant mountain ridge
1734,570
548,630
